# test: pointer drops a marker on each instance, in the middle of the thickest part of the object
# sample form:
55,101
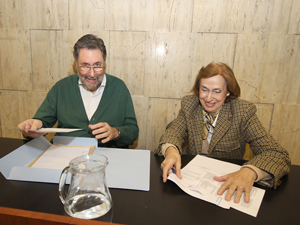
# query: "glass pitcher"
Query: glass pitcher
88,196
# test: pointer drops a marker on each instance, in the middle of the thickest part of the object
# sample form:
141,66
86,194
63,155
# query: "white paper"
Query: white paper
197,177
59,156
54,130
183,184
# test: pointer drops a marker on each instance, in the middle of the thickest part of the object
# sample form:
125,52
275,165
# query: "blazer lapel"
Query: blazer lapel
223,124
197,122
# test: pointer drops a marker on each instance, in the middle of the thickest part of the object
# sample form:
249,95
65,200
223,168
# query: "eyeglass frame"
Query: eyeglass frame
90,68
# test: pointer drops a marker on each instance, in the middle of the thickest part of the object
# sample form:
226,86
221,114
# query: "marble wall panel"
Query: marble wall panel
52,14
127,57
160,113
19,106
23,14
28,103
274,17
173,15
15,64
261,65
274,79
285,128
213,16
1,60
213,47
291,89
264,114
134,15
242,16
47,62
86,15
9,113
168,68
294,25
10,14
140,107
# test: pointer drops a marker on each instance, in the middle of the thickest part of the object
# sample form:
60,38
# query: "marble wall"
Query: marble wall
157,48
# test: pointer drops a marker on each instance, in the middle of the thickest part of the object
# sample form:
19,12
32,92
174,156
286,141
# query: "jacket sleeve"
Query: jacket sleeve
47,112
268,154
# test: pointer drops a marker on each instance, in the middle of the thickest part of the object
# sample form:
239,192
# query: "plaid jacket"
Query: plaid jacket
237,125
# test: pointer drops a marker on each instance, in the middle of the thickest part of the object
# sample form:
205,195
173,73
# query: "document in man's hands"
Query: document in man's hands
54,130
197,181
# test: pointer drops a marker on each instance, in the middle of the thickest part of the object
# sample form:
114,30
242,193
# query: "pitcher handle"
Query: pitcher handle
62,184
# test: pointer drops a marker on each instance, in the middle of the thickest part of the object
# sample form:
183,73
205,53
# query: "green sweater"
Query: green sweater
64,105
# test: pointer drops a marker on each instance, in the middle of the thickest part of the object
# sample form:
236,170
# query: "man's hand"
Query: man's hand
32,124
172,160
103,130
240,181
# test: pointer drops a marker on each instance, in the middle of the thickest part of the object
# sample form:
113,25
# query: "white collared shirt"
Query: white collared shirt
91,100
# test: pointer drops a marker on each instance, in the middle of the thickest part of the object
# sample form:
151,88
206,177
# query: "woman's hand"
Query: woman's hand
240,181
172,160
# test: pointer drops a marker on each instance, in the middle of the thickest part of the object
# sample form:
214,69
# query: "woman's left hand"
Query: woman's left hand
240,181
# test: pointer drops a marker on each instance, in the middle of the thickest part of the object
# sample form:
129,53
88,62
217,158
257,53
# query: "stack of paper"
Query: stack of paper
197,181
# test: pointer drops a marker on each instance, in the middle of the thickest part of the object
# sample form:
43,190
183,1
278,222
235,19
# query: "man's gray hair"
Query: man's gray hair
90,42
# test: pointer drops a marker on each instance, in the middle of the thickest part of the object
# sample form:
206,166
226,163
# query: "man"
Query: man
97,102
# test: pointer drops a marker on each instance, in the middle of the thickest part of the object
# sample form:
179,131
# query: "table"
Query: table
163,204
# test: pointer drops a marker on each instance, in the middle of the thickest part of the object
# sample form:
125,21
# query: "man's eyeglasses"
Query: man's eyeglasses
96,69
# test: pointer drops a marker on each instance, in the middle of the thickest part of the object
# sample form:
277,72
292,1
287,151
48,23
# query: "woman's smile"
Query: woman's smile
212,94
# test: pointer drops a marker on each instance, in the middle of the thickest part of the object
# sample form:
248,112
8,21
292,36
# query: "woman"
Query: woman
219,125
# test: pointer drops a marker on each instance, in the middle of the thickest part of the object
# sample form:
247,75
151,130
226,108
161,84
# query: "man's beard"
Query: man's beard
87,85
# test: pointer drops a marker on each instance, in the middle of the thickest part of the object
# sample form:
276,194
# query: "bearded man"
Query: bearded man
92,100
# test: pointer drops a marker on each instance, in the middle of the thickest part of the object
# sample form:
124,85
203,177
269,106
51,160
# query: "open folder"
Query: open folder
127,169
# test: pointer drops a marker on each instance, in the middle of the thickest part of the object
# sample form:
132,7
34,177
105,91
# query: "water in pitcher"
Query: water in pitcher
88,206
88,196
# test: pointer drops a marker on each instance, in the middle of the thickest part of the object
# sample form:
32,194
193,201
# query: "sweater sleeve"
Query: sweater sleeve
129,131
47,112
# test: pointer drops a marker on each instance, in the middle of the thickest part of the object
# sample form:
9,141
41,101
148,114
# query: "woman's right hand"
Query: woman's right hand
172,160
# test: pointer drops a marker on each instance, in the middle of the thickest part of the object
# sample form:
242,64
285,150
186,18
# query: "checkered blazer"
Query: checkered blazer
237,125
